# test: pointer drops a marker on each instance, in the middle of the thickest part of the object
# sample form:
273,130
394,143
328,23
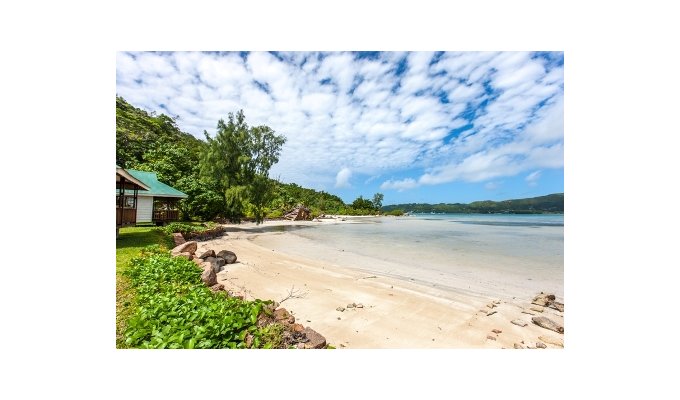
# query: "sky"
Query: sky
416,126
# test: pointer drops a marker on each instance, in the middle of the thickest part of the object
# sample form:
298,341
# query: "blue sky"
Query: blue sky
415,126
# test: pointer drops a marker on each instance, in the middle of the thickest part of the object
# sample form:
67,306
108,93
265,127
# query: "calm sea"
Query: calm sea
490,254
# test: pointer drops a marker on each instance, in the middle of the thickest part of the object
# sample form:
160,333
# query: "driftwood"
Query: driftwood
546,323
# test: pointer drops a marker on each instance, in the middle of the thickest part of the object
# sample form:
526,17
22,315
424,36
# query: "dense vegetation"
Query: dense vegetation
174,309
552,203
225,176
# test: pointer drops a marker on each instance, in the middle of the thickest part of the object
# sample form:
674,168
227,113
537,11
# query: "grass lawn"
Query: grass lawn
128,245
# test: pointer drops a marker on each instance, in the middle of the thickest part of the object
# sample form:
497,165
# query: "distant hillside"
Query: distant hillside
552,203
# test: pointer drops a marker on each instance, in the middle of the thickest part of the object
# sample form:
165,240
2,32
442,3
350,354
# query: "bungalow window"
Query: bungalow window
130,202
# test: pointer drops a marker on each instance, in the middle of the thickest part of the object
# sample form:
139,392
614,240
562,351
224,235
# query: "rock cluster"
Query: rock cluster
294,335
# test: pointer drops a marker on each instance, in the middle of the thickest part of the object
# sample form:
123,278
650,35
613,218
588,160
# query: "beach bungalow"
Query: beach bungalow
127,189
158,203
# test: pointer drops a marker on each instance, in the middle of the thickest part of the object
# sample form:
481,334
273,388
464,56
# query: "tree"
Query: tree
238,160
377,201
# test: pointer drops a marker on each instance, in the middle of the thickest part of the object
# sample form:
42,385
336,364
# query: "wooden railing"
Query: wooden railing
165,215
129,216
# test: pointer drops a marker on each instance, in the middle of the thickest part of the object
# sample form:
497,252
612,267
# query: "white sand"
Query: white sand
396,313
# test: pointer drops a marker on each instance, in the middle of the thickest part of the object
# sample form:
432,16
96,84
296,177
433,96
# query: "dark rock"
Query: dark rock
298,328
491,337
546,323
208,276
217,263
557,306
519,322
216,288
207,253
360,306
341,309
496,331
540,345
188,247
490,313
228,256
351,305
315,340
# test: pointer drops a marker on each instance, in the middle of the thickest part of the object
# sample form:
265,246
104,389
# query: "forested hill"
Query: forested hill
552,203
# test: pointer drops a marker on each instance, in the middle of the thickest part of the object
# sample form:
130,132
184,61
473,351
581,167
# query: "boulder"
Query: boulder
216,263
186,255
546,323
552,340
188,247
198,261
206,254
228,256
557,306
543,299
315,340
298,328
519,322
536,308
209,277
178,239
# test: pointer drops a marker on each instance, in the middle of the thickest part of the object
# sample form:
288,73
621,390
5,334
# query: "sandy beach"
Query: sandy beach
394,313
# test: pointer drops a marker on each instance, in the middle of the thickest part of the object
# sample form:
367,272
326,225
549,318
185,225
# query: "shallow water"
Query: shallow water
496,255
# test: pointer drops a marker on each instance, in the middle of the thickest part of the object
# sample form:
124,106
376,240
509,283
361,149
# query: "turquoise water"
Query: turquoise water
485,253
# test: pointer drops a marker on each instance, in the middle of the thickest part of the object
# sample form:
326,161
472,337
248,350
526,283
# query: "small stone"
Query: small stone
541,345
546,323
519,322
350,305
496,302
360,305
491,305
552,340
491,337
518,346
496,331
536,308
528,312
341,309
338,318
300,345
490,313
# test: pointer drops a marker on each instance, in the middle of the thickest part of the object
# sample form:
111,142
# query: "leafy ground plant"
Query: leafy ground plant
173,309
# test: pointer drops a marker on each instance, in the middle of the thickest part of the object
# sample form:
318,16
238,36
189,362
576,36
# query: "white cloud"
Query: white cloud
342,178
532,178
387,124
492,185
399,185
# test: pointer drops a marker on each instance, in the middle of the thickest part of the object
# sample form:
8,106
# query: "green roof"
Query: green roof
158,188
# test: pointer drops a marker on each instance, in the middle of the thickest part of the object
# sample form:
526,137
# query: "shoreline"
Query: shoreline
396,313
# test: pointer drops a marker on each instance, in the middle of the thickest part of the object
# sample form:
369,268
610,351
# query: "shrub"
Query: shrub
174,309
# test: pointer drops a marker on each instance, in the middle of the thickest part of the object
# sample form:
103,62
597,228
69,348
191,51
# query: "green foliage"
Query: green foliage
552,203
377,200
396,212
238,160
175,310
185,229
